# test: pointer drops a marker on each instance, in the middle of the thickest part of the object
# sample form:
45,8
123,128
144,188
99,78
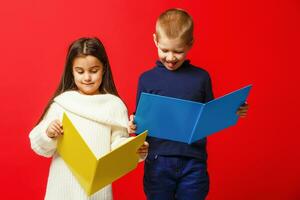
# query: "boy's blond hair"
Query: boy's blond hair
174,23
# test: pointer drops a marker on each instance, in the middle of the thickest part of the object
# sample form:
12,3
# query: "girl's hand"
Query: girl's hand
131,125
55,129
242,111
143,150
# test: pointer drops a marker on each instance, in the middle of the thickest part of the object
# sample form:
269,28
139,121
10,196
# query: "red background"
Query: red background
238,42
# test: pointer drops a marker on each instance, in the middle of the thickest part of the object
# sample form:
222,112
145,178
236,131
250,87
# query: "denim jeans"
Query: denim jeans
175,178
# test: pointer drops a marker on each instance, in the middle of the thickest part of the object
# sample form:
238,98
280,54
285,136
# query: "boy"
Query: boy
175,170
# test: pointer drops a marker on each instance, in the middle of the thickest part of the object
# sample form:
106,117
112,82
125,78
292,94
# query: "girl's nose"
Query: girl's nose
87,77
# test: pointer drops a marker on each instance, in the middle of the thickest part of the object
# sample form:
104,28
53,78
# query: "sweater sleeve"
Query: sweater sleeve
119,135
40,142
208,90
140,89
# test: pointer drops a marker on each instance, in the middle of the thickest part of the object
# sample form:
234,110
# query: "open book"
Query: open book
92,173
187,121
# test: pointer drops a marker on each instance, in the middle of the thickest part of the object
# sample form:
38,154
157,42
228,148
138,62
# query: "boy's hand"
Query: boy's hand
131,125
54,129
242,111
143,150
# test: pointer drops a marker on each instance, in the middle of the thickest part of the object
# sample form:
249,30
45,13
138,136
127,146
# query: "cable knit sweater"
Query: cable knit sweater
100,119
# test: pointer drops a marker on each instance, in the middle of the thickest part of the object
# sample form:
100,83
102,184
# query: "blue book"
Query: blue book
187,121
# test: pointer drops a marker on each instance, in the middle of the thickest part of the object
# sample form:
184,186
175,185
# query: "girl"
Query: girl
88,95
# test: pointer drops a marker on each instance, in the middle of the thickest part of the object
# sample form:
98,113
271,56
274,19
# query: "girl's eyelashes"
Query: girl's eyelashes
80,71
94,71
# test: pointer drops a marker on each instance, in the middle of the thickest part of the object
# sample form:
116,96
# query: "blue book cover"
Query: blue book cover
187,121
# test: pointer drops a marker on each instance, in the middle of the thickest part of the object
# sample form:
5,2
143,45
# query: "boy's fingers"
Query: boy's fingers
131,117
242,114
246,107
132,126
242,109
130,130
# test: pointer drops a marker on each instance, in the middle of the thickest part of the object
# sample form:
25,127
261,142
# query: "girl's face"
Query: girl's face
88,72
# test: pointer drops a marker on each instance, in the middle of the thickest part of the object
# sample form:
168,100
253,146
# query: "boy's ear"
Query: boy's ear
155,39
191,44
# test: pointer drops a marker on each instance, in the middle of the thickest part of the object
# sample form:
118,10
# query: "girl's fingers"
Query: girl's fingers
58,123
143,155
52,134
56,129
55,132
144,147
141,148
142,152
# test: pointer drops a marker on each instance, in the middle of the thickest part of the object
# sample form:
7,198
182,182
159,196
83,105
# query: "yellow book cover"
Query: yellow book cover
92,173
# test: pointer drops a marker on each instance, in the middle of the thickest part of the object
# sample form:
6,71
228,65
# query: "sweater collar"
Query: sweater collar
102,108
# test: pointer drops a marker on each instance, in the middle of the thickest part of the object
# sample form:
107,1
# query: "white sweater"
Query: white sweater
102,122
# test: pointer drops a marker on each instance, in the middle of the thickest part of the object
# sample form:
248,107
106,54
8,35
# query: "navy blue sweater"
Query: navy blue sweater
187,82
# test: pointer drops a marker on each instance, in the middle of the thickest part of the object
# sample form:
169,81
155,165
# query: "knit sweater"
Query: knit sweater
101,121
187,82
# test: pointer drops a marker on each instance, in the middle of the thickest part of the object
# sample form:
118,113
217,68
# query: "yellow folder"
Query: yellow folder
93,174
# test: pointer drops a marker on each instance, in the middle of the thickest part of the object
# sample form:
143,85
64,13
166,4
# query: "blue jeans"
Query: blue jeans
175,178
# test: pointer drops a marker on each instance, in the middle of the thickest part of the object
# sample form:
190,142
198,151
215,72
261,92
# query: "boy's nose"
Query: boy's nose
170,57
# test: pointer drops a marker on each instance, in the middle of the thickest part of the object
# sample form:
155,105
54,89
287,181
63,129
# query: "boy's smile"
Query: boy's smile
171,52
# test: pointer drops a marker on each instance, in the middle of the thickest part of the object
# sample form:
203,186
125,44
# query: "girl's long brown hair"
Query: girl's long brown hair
84,47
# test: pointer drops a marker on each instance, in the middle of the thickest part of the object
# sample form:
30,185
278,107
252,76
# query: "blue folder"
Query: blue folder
187,121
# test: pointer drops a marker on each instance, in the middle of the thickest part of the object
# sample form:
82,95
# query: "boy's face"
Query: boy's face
171,52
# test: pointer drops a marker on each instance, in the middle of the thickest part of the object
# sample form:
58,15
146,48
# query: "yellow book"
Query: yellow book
92,173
